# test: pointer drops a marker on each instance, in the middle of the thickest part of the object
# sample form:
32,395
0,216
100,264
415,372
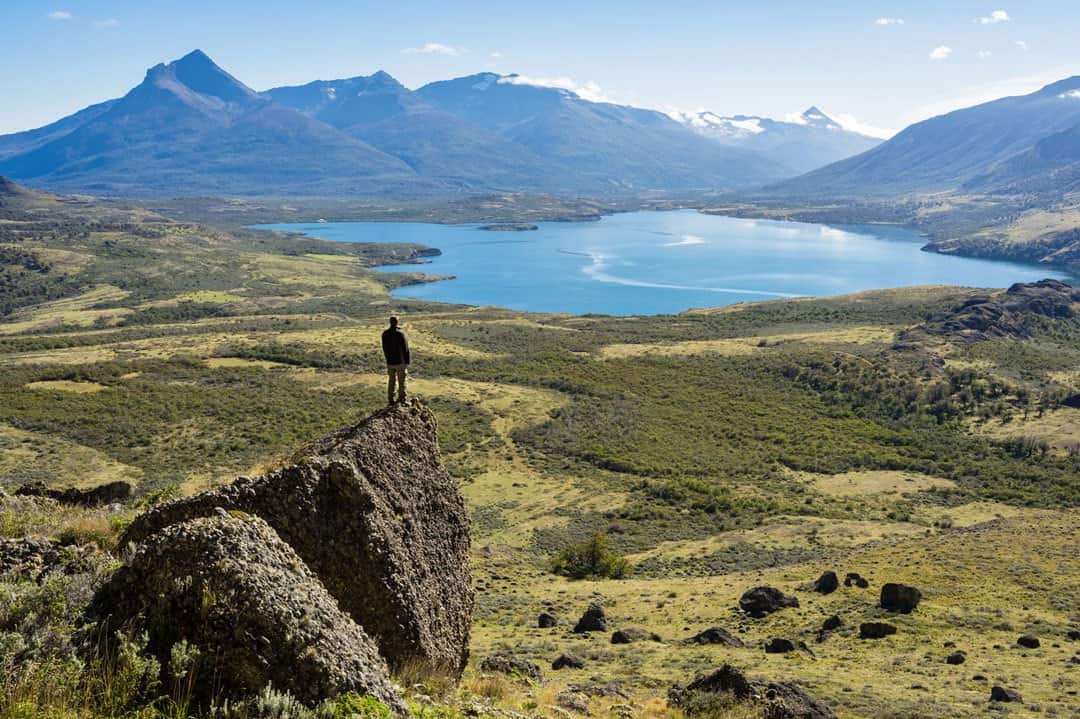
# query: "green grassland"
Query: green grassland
785,438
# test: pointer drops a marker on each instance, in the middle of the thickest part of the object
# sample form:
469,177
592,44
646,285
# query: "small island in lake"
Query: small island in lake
509,227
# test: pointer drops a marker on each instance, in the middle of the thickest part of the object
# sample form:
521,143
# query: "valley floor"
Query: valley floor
784,439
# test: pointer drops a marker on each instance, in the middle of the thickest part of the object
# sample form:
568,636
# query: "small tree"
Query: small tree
592,558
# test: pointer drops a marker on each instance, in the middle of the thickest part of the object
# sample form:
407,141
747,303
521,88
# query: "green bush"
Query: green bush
353,706
591,559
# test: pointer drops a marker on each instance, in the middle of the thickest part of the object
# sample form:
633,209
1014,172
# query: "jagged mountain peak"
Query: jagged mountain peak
195,73
814,116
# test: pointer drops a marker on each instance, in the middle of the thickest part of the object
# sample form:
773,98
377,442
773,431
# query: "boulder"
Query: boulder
1074,634
593,620
875,630
27,557
110,493
512,665
854,579
573,701
957,657
546,620
373,512
782,700
827,583
568,661
230,587
779,645
900,598
833,622
1003,694
1028,641
760,601
716,635
629,635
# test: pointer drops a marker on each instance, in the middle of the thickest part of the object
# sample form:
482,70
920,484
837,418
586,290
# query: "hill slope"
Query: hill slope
980,145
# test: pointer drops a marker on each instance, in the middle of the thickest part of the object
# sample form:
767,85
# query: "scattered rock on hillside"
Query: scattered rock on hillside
629,635
957,657
780,645
854,579
373,512
827,583
833,622
568,661
783,700
593,620
1074,634
546,620
512,665
716,635
760,601
1028,641
875,630
573,701
1003,694
27,556
231,587
110,493
900,598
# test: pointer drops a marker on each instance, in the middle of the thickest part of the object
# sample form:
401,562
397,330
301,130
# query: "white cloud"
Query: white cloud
983,54
889,21
1071,94
496,54
59,15
586,91
940,52
1021,44
105,24
852,124
994,18
436,48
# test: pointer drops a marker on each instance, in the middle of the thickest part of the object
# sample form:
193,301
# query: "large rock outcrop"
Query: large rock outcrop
374,514
230,587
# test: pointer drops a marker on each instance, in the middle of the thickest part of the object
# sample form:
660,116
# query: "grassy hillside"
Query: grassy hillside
783,439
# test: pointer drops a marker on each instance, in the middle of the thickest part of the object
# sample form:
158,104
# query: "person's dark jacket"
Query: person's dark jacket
395,346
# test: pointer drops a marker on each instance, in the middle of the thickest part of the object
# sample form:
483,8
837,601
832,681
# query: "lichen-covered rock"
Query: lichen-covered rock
629,635
760,601
593,620
373,512
716,635
512,665
781,700
110,493
228,586
900,598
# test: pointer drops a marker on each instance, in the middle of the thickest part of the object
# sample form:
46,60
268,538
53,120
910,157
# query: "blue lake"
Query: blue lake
666,262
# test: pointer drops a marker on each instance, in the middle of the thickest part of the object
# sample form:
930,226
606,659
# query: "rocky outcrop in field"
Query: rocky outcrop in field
358,550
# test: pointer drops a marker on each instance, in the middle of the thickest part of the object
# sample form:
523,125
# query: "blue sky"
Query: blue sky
870,63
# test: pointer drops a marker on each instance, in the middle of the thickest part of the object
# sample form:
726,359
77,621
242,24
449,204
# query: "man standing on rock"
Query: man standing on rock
395,347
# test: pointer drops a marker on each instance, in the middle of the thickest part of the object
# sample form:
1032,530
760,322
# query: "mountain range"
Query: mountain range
192,128
809,141
1014,145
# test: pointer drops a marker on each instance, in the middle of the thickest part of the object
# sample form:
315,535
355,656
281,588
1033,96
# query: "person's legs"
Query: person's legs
391,372
402,375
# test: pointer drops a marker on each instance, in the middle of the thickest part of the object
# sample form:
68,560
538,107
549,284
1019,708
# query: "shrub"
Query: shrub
353,706
591,559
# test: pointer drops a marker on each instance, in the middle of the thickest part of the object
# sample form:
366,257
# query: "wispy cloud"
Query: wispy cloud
59,15
1071,94
436,48
496,54
106,24
993,18
586,91
889,21
941,52
983,54
1021,44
